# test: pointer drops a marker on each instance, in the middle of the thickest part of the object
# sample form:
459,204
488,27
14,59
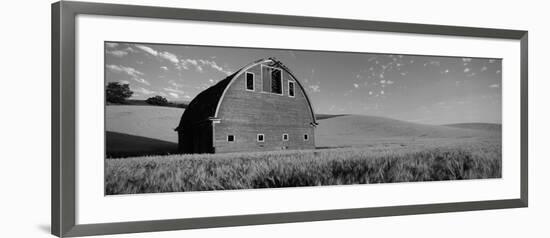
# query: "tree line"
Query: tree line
117,93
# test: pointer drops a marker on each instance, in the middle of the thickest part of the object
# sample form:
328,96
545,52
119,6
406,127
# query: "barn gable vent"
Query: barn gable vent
272,79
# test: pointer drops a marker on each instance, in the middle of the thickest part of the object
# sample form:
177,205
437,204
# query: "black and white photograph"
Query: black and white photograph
184,118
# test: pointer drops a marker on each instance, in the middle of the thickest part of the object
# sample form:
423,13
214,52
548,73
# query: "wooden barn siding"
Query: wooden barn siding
246,114
197,139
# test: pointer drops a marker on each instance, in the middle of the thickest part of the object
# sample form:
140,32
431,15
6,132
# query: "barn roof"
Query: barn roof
205,105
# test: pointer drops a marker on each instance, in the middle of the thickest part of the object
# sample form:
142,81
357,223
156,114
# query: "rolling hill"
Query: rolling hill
141,130
148,130
478,126
352,130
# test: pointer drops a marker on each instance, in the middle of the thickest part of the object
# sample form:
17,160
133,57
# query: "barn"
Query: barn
261,107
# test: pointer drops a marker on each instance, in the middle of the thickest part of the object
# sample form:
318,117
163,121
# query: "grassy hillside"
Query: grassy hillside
355,130
195,172
490,127
141,130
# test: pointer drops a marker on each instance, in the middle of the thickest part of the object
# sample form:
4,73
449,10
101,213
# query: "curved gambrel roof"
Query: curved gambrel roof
205,105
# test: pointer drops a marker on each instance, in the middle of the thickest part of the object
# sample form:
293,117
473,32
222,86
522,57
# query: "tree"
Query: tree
118,93
157,100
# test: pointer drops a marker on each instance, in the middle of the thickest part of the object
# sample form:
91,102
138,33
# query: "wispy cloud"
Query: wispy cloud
117,53
315,88
215,66
200,64
172,90
174,95
169,56
466,70
494,86
133,73
111,45
143,90
148,50
164,67
187,63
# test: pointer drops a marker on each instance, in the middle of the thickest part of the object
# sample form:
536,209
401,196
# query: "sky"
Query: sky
422,89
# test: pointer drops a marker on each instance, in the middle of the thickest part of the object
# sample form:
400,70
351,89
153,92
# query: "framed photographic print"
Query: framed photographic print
181,112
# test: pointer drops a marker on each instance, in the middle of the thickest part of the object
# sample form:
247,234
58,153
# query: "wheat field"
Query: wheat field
433,160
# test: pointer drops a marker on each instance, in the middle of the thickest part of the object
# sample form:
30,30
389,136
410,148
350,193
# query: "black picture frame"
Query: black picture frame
64,121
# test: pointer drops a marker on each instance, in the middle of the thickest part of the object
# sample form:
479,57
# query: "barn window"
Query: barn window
290,89
230,138
276,81
260,138
306,137
285,137
249,81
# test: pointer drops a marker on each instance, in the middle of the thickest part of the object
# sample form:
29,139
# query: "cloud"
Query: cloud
382,81
128,70
172,90
389,82
163,55
169,56
176,85
483,68
120,53
186,63
148,50
111,44
382,92
117,53
315,88
356,85
466,59
370,92
130,49
174,95
133,73
200,64
164,67
498,71
143,91
215,66
466,70
494,86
